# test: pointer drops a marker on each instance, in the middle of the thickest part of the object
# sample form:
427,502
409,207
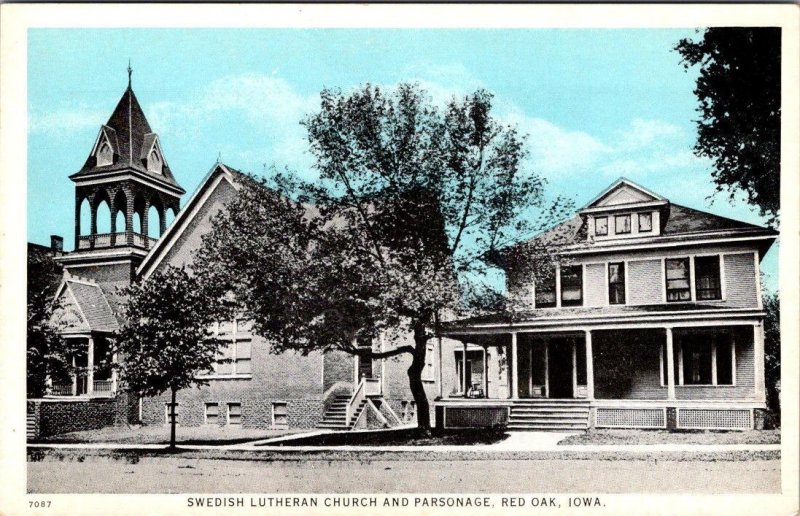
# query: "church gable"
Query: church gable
105,147
67,315
151,155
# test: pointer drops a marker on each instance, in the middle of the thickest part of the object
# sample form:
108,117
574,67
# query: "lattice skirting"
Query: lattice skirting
630,418
723,419
477,417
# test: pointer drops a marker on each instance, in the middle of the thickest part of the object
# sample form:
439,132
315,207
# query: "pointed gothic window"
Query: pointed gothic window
104,154
154,163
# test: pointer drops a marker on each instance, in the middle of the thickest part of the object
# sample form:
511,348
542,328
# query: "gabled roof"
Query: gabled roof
681,224
132,138
219,172
623,193
91,303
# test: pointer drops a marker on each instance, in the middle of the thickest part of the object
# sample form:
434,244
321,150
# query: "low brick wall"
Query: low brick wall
62,416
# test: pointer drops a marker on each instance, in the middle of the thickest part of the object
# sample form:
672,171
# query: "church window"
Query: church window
154,163
104,155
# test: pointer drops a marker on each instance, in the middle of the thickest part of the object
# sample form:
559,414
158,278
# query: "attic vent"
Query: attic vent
104,155
154,163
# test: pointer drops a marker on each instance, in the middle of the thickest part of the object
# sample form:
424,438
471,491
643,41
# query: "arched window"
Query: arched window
85,218
137,222
153,223
103,218
154,162
120,202
104,155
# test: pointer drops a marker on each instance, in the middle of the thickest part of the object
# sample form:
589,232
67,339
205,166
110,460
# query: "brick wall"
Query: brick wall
63,416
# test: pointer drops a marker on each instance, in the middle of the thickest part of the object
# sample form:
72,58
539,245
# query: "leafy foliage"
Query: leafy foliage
772,350
48,356
411,204
739,94
165,340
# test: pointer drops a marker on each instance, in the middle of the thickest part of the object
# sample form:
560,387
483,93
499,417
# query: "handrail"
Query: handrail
355,400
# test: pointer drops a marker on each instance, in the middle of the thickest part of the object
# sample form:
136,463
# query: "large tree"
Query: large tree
739,93
411,203
48,355
165,341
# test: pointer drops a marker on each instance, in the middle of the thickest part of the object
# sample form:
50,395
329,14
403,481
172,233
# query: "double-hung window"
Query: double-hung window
706,360
707,278
572,285
616,283
678,280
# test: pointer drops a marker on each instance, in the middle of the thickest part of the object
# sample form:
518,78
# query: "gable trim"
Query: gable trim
178,226
619,182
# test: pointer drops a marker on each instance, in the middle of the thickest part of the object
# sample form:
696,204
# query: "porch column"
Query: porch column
439,367
670,366
758,364
114,374
464,369
574,369
74,378
589,366
90,368
515,368
485,371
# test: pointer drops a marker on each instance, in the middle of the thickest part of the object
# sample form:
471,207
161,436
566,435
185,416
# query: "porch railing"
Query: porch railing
105,240
103,387
61,389
356,399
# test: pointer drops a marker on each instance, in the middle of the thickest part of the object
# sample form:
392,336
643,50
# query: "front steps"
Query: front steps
335,417
549,414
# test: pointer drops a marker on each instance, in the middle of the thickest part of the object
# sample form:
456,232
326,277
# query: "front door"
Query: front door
560,368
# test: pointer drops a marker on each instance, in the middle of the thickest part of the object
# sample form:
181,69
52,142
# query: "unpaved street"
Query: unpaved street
182,475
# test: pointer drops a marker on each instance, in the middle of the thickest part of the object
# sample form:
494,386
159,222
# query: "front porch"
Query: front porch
690,376
93,375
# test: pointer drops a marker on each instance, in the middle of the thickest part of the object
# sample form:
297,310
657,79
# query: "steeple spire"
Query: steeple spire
130,72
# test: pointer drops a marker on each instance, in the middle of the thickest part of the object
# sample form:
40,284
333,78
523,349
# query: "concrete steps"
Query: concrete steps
547,414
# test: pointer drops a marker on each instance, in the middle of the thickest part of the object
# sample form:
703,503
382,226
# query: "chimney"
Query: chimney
57,244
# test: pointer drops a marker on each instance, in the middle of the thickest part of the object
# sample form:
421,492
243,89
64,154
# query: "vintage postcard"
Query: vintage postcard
351,259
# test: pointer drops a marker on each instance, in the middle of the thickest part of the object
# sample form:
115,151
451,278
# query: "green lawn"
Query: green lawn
608,436
159,434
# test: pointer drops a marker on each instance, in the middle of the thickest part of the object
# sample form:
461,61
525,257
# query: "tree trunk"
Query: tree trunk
172,422
415,379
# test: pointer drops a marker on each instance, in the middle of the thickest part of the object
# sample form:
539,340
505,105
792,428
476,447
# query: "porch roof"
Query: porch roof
92,306
578,315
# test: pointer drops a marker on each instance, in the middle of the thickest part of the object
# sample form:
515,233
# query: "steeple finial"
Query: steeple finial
130,72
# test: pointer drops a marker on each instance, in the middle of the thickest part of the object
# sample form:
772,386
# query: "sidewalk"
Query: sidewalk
516,442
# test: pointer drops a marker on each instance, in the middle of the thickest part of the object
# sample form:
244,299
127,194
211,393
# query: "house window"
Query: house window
645,222
572,285
428,372
622,224
707,360
172,412
234,413
545,289
678,280
616,283
707,281
601,226
212,413
280,415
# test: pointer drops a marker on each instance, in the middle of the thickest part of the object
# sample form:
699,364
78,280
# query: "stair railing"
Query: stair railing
355,400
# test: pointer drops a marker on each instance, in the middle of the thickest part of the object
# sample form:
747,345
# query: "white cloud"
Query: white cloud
56,122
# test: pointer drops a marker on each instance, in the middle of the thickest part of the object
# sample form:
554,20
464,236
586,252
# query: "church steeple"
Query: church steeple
127,171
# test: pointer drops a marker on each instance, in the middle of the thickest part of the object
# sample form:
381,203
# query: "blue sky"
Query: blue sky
597,104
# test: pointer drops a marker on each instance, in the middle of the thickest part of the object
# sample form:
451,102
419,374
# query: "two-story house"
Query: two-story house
649,316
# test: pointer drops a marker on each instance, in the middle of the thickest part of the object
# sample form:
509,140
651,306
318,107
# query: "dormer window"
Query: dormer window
622,224
154,163
104,155
645,222
601,226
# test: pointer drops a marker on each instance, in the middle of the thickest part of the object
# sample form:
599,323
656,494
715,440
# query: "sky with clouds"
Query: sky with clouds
595,104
